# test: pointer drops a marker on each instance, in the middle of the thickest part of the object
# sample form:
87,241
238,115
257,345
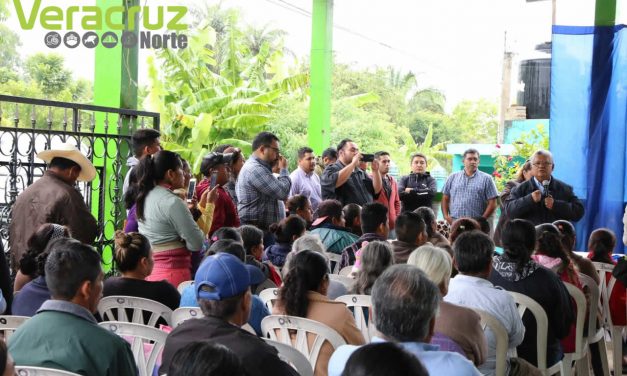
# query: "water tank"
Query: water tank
534,75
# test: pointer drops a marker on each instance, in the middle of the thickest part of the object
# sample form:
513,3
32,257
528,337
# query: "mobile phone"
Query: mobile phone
214,179
191,189
367,157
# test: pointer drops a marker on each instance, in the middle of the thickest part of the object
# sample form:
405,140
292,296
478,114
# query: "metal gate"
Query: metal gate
28,126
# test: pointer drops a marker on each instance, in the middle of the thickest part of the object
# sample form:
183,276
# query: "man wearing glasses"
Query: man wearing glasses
258,191
347,183
543,199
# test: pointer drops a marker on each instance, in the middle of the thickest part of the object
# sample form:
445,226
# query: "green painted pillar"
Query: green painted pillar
115,85
321,71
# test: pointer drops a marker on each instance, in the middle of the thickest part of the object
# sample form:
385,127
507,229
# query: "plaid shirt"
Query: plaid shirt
469,194
259,192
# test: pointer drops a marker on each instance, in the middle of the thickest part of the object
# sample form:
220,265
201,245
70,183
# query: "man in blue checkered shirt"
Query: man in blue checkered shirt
470,192
258,191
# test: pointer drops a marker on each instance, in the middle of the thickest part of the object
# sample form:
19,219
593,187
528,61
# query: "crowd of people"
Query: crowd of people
250,222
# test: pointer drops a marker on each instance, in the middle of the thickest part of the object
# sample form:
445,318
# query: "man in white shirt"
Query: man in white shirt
471,288
304,179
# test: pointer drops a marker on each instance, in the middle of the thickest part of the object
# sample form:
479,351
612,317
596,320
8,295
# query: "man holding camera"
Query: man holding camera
347,183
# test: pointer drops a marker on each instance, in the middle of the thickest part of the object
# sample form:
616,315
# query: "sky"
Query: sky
455,46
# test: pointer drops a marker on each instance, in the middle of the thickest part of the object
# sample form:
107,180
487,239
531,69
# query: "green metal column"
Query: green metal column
115,85
321,75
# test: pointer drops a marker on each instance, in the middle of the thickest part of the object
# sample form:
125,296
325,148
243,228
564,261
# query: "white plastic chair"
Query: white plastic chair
113,308
594,334
8,324
334,261
268,297
346,271
267,284
359,303
146,343
183,285
303,330
542,325
42,371
183,314
616,332
581,346
293,357
345,280
502,340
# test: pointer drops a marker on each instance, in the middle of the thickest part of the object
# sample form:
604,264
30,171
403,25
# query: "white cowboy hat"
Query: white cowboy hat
69,151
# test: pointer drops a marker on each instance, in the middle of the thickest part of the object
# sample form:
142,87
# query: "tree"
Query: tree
48,71
9,45
477,121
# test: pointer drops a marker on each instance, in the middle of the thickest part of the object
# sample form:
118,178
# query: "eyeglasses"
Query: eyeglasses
543,164
275,149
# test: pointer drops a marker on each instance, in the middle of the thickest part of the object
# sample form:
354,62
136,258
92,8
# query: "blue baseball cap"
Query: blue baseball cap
227,275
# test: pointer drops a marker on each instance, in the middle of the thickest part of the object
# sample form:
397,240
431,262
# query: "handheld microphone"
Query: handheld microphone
545,185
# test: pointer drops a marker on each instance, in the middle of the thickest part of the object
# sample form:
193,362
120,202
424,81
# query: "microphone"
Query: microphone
545,185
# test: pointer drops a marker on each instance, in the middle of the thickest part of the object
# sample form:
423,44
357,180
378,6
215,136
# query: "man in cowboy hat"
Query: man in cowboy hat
54,199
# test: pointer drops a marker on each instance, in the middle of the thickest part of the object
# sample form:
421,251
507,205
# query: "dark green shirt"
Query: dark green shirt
65,336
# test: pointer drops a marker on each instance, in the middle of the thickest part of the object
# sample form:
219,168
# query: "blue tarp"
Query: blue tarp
588,133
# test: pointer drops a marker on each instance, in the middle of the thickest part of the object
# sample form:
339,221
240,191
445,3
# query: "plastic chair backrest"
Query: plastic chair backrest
345,280
605,288
302,327
292,356
42,371
146,343
346,271
334,260
267,284
542,323
183,285
580,301
502,340
595,301
268,297
359,303
113,308
183,314
8,324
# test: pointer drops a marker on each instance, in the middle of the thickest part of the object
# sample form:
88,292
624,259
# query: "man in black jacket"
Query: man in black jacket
418,188
543,199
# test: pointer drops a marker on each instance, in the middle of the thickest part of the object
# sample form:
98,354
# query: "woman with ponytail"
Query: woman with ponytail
303,294
286,232
600,247
164,218
133,258
516,271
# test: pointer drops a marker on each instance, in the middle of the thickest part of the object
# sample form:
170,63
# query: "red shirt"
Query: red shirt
225,213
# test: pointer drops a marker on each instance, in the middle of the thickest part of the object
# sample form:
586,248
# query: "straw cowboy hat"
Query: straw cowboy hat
69,151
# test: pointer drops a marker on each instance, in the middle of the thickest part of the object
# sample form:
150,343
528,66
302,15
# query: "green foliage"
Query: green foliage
9,45
476,120
506,167
48,71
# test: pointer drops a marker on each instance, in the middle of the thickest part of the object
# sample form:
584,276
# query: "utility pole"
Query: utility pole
506,85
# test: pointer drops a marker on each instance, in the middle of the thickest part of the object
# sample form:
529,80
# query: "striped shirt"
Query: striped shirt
469,195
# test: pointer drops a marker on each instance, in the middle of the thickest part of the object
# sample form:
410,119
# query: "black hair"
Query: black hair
63,163
519,240
33,261
130,196
151,170
376,359
130,248
408,226
376,256
484,225
418,155
331,209
381,153
227,246
224,233
351,211
289,227
602,242
205,358
4,356
251,237
549,242
343,143
462,225
221,148
142,138
70,263
264,139
224,308
373,215
304,150
329,153
307,271
473,252
428,216
296,202
471,151
569,236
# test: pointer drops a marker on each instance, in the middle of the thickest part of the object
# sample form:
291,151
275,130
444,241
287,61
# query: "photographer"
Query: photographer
347,183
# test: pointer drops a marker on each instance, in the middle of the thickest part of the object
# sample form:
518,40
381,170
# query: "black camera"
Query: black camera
367,157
